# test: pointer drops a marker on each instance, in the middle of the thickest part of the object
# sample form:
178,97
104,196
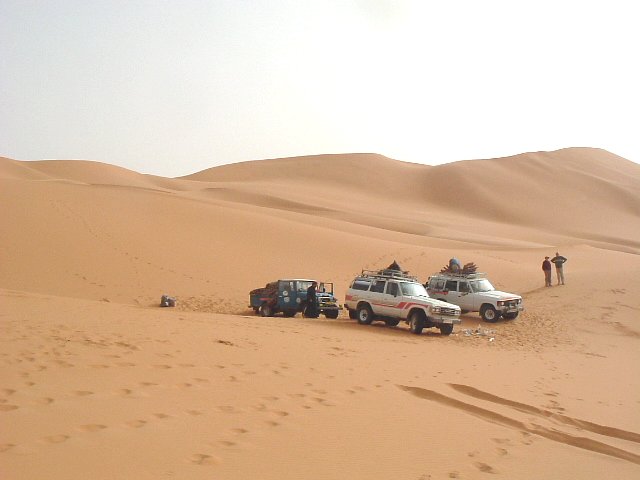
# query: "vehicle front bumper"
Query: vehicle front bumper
446,319
510,308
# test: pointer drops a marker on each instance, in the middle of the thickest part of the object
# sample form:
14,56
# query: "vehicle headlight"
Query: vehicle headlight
500,303
436,309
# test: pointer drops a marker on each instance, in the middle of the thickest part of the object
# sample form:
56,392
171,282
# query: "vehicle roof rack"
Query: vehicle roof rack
387,273
463,275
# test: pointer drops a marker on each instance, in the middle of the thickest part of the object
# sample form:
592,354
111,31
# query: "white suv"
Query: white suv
474,293
392,296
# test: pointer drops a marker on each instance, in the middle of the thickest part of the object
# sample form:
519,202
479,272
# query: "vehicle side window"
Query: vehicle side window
392,288
438,284
360,284
451,285
378,286
464,287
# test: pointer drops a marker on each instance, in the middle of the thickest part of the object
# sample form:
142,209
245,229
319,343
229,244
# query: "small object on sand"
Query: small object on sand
167,301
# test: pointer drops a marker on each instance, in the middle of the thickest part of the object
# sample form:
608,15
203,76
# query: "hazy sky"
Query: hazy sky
174,87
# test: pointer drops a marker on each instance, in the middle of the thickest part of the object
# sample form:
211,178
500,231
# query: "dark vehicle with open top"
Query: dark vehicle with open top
289,296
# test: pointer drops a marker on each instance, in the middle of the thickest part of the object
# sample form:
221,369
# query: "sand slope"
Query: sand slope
115,234
98,382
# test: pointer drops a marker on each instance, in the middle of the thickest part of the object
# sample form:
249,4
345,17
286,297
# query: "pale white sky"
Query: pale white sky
175,87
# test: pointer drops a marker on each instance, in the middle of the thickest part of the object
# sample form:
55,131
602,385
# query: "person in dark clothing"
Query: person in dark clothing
546,268
558,261
311,309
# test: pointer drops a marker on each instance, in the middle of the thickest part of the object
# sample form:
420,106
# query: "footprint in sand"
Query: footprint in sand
56,438
82,393
6,446
281,413
240,431
227,443
227,409
161,416
90,428
136,423
483,467
203,459
7,408
7,391
44,401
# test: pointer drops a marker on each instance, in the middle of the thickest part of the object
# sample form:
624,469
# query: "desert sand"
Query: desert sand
97,381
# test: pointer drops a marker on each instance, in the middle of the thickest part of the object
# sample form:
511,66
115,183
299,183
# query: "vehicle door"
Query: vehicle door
465,296
451,292
378,298
392,298
286,294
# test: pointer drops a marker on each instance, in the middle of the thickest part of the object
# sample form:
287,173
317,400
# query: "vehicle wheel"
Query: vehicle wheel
392,322
289,313
266,310
489,314
416,323
365,315
446,328
332,314
511,316
353,314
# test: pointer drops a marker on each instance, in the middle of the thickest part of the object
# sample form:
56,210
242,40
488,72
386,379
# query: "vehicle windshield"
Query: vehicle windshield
482,285
413,289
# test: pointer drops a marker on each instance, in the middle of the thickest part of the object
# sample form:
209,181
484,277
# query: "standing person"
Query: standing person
546,268
311,310
559,260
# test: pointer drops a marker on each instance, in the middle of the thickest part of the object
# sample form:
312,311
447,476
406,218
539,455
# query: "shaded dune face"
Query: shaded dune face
228,229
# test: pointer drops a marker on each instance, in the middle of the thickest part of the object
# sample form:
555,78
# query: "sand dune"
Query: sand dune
97,381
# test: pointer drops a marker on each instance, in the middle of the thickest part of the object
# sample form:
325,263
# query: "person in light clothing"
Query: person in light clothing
558,261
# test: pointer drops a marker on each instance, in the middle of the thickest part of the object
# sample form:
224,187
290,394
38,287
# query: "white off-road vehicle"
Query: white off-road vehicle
392,296
474,293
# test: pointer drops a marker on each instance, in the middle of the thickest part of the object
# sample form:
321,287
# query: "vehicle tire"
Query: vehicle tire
332,314
489,314
392,322
289,313
416,323
353,314
446,328
365,315
266,310
510,316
